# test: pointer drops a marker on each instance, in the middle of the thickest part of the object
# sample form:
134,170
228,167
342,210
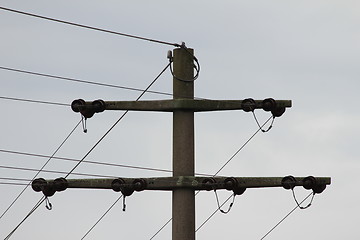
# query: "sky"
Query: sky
304,51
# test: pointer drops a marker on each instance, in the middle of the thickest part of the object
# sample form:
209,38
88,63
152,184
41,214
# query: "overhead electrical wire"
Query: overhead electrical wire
101,30
106,212
214,213
110,129
287,215
227,162
86,161
38,171
43,198
297,206
93,162
15,179
82,81
90,27
14,184
71,171
121,117
56,172
34,101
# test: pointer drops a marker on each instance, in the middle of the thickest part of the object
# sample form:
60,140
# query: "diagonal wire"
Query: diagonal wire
213,213
285,216
106,134
102,217
121,117
233,156
227,162
43,198
13,202
89,27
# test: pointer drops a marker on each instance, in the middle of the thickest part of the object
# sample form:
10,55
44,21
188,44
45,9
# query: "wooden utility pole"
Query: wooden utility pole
183,183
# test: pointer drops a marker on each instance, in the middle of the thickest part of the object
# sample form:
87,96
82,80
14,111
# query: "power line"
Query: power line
82,81
163,226
233,156
285,216
102,216
89,27
34,101
121,117
63,142
94,162
88,161
42,199
214,213
15,179
55,172
227,162
15,184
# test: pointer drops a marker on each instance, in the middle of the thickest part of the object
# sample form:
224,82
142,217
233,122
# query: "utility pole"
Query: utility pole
183,206
183,183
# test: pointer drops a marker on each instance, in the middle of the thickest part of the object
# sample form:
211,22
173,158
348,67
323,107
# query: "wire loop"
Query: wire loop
219,207
260,127
298,204
196,66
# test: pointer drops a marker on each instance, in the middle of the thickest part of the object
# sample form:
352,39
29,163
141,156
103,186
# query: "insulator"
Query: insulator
309,182
119,184
80,105
49,191
277,112
230,183
248,105
60,184
38,184
87,113
319,188
98,105
208,184
116,184
288,182
77,105
127,191
269,104
139,184
239,190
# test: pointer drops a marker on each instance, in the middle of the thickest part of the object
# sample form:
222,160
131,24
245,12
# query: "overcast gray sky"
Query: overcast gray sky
304,51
